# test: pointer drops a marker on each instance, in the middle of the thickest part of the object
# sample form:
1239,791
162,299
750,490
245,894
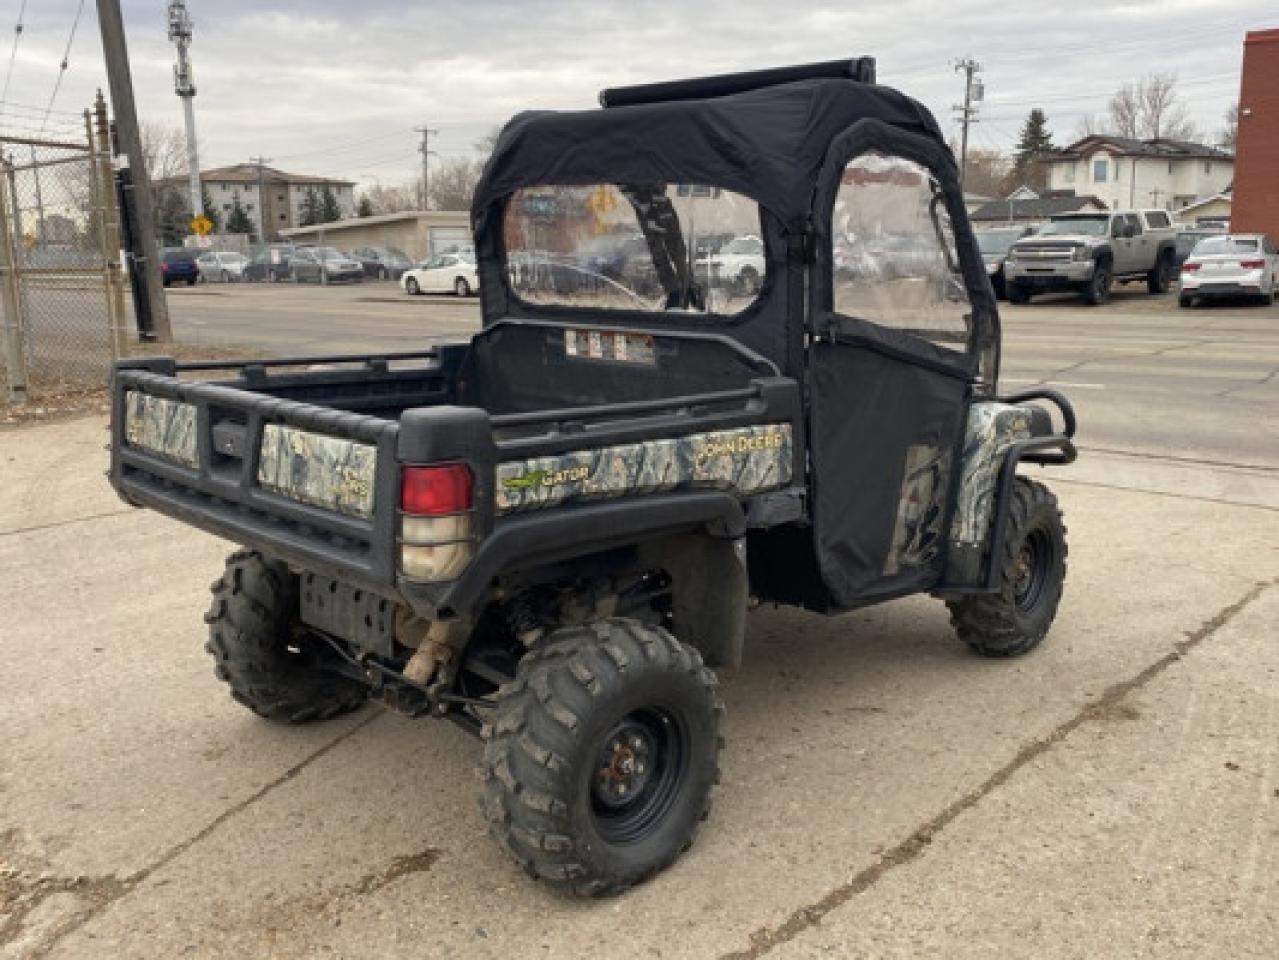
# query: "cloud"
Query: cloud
336,88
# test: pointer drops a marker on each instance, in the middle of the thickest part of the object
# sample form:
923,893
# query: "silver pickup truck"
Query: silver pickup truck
1088,252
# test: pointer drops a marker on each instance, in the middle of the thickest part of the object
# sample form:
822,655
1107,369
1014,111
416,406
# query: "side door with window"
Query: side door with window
1142,256
892,360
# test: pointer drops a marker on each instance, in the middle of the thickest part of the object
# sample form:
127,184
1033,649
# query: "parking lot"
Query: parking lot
884,793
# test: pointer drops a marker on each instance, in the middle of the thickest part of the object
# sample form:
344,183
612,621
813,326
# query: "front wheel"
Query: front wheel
461,287
411,286
1098,289
1031,565
601,756
1018,293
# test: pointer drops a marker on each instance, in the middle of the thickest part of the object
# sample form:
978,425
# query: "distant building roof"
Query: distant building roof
1161,147
1036,209
248,173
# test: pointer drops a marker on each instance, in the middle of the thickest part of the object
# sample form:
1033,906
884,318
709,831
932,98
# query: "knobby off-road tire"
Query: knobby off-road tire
601,756
1032,572
1098,290
1160,276
272,667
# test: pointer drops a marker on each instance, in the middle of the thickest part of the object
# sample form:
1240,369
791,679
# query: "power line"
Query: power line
66,57
13,53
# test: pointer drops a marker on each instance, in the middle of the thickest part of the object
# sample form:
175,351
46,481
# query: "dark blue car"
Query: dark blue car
178,266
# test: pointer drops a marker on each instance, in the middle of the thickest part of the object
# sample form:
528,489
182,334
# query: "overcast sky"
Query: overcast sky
335,87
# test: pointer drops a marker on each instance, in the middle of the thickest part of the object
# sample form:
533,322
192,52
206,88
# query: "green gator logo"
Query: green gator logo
526,482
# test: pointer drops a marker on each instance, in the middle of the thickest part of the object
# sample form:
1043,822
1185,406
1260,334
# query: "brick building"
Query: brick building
1256,193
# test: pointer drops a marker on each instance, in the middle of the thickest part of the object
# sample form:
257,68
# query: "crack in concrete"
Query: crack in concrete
1145,492
1173,458
1225,394
1056,374
765,939
102,892
53,525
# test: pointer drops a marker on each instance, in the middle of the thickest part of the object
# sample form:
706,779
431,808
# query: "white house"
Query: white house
1126,173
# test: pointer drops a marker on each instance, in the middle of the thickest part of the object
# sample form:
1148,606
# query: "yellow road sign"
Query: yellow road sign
202,225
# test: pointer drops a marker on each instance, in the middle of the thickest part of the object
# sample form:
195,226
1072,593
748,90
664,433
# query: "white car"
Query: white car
443,273
1231,265
739,265
225,266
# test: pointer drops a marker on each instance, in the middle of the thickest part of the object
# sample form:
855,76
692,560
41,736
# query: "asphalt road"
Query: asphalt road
885,793
1154,385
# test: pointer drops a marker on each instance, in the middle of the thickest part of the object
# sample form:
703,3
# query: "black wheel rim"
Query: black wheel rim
637,773
1031,570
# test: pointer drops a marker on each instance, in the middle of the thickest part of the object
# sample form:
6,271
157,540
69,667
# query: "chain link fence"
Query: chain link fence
62,302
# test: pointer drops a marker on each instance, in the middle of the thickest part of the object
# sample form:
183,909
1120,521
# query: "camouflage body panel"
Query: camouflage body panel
921,508
323,471
992,428
746,460
160,426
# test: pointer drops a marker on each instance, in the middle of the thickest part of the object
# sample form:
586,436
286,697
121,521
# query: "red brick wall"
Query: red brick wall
1255,205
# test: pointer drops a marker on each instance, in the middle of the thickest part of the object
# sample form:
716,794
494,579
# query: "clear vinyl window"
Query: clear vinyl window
650,247
894,256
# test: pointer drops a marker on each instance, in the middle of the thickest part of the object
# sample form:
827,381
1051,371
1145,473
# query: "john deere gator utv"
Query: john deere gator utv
550,532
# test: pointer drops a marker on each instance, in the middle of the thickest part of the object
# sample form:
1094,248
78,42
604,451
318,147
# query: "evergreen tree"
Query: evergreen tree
239,221
310,208
1034,142
329,209
365,209
210,209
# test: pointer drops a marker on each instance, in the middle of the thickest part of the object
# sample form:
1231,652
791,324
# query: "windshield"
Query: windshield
996,242
1087,226
1211,245
633,247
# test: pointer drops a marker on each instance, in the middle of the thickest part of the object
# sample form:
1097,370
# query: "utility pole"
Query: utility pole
260,162
426,151
145,252
184,86
974,93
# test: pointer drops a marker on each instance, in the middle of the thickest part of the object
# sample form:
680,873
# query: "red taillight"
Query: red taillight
1190,266
436,490
1252,264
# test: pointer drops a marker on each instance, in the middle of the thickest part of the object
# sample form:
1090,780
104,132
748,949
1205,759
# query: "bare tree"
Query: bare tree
985,172
165,150
453,183
1149,110
1230,133
393,199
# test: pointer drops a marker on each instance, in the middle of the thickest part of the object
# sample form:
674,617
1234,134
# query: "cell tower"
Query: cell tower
184,86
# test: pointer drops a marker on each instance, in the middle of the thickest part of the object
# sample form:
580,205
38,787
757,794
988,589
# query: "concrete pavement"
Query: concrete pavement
884,791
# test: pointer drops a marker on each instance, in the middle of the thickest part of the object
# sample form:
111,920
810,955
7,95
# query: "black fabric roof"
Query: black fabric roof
767,144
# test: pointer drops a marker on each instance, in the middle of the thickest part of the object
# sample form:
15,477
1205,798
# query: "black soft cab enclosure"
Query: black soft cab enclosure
738,342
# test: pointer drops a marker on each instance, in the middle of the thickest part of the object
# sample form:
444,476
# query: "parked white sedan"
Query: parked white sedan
1232,264
443,273
223,266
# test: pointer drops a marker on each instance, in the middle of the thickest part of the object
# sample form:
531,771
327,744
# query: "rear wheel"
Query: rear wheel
1098,290
264,654
461,287
1157,279
1031,565
1018,293
1186,300
601,756
411,285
